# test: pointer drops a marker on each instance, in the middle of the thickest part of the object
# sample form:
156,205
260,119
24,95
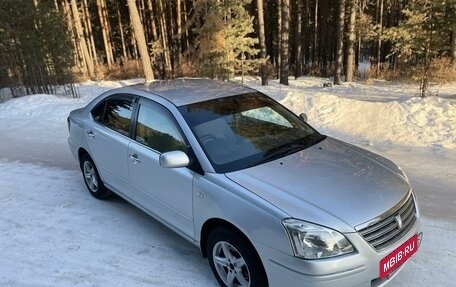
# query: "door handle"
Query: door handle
90,134
134,158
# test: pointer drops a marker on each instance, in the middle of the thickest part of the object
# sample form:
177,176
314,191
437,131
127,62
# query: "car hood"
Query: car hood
331,183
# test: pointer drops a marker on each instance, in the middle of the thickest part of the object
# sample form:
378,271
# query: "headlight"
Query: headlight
312,241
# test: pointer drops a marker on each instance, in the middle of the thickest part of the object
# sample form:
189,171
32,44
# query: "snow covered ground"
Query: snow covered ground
52,233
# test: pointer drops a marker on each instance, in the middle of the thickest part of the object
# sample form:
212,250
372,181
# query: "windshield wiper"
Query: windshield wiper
289,148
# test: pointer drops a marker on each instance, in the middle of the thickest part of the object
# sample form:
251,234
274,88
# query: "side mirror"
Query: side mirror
174,159
303,117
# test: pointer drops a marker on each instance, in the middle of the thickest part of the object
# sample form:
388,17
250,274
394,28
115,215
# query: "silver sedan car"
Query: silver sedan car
267,199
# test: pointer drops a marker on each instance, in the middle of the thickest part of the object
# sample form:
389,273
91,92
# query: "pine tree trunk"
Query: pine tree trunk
298,39
315,36
85,51
164,38
358,56
169,18
90,39
153,27
379,39
142,15
179,31
105,31
141,40
264,67
110,50
339,43
133,46
284,39
306,32
186,24
171,32
351,41
453,45
122,35
279,38
324,42
66,9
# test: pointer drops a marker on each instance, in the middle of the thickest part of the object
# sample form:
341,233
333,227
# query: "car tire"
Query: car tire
234,261
92,179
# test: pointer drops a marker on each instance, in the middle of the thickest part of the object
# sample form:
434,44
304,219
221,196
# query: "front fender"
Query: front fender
217,197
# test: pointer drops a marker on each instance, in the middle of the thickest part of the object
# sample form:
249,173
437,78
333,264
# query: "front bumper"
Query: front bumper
359,269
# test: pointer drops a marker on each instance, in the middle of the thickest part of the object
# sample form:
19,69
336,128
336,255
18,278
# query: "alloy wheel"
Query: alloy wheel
90,176
230,265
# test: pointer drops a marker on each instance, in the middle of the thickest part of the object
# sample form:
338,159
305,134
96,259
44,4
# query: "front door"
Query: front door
164,192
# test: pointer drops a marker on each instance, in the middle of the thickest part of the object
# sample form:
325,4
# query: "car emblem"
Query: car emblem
398,221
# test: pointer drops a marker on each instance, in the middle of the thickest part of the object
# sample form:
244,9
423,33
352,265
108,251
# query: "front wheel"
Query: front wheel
234,261
92,178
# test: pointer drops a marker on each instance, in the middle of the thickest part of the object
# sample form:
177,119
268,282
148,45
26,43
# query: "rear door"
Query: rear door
164,192
108,137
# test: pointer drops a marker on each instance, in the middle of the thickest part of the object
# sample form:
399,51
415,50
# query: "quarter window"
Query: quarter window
157,130
115,113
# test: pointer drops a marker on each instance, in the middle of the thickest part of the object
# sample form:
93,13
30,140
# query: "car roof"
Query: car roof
186,91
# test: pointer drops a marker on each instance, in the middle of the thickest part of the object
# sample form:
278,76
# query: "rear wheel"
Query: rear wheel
234,261
92,178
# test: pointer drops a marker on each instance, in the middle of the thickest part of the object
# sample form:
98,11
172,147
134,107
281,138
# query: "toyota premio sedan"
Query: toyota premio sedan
268,199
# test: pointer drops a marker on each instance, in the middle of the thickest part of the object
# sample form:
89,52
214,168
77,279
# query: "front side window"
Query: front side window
115,113
156,129
246,130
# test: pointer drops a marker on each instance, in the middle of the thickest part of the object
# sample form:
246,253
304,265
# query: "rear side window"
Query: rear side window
115,113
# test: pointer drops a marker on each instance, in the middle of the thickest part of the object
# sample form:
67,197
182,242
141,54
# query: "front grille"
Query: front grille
385,230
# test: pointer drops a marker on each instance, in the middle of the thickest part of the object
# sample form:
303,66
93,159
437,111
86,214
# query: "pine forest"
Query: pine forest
47,44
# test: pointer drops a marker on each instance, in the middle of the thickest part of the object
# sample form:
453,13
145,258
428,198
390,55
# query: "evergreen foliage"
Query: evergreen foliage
35,52
224,46
423,35
425,30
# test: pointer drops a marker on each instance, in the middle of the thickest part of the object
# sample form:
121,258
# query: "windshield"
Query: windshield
246,130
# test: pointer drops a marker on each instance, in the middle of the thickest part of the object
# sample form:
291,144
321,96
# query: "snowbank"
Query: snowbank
414,121
44,106
373,114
